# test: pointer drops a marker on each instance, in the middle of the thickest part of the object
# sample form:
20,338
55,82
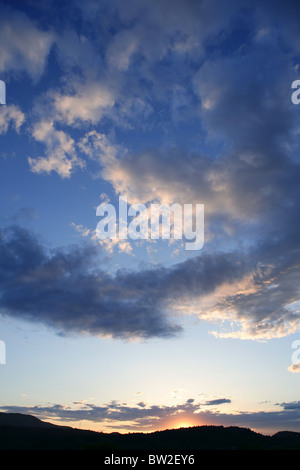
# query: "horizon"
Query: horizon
179,427
190,317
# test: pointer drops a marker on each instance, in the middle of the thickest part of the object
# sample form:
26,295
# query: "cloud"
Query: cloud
115,414
65,291
140,414
10,115
217,401
61,155
294,405
241,182
247,180
145,418
24,47
142,29
88,102
259,196
76,51
109,245
106,74
244,168
294,368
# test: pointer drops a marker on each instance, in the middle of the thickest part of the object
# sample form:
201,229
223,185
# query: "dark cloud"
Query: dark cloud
141,404
63,289
113,411
294,405
217,401
66,289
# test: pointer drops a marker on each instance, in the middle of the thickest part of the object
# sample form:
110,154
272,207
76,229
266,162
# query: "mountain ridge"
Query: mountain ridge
21,432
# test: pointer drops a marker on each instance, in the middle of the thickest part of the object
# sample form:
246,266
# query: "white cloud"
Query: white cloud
10,115
109,245
294,368
60,151
89,102
99,147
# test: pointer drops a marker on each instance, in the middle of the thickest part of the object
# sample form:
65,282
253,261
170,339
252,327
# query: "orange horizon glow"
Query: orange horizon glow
183,425
183,422
128,428
170,423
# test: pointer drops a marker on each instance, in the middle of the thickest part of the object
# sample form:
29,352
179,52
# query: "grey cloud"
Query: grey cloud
66,290
63,290
217,401
112,411
294,405
270,307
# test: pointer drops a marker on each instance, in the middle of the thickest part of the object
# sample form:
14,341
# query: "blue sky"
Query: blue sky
184,102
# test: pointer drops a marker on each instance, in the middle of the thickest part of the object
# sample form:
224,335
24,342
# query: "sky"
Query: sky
161,102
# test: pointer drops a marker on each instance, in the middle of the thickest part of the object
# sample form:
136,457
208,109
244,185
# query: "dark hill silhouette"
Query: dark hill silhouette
18,419
19,432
